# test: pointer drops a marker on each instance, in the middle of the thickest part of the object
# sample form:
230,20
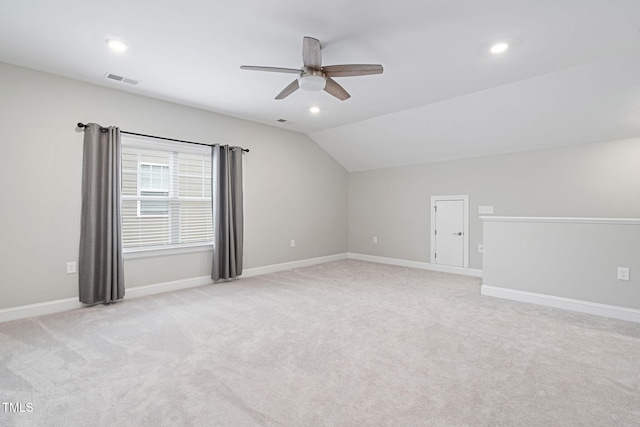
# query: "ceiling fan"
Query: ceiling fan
313,76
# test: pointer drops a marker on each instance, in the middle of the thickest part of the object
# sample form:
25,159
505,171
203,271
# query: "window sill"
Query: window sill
159,252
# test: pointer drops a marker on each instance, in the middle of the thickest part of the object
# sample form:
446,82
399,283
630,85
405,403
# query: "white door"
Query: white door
449,232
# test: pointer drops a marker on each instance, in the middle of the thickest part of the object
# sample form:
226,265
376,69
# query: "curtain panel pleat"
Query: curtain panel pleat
227,205
101,265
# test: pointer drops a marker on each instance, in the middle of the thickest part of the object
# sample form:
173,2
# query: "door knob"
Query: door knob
459,233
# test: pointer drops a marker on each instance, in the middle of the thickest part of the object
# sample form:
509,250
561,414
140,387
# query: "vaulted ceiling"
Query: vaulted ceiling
571,74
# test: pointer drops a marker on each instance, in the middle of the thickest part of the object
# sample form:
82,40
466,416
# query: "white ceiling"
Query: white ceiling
572,74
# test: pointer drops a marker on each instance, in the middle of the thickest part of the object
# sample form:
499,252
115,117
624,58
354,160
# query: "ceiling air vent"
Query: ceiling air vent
120,79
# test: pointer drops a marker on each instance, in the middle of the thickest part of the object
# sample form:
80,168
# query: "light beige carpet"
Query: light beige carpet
347,343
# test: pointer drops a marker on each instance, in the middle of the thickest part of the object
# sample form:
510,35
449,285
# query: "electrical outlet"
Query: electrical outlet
71,267
293,243
623,273
375,239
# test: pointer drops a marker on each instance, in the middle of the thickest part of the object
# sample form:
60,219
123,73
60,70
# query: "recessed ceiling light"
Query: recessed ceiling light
117,45
499,48
314,110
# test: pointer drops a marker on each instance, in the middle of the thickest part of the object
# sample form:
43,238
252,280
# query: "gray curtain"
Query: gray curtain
226,188
101,267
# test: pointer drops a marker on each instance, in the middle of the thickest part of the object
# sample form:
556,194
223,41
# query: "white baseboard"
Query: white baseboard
39,309
158,288
416,264
57,306
256,271
615,312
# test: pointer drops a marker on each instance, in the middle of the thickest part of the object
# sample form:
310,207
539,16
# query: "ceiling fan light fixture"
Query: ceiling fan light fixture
312,80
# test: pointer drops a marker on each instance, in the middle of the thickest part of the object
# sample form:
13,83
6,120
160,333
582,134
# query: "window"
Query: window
166,194
154,181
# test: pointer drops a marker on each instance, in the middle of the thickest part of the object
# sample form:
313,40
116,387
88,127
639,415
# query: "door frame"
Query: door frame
465,199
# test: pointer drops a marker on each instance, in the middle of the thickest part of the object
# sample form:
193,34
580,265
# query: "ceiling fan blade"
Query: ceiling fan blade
336,90
347,70
293,86
311,53
271,69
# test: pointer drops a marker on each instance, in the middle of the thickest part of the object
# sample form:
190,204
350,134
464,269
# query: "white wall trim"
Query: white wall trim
57,306
39,309
256,271
616,312
619,221
176,285
417,264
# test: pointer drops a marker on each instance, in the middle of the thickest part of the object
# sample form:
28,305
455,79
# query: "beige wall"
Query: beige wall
589,180
293,189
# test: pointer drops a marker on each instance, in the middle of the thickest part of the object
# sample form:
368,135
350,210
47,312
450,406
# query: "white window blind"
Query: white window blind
166,194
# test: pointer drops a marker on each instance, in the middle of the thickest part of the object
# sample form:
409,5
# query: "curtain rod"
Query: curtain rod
82,125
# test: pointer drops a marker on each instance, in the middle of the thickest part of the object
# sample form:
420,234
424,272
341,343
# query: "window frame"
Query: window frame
141,143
